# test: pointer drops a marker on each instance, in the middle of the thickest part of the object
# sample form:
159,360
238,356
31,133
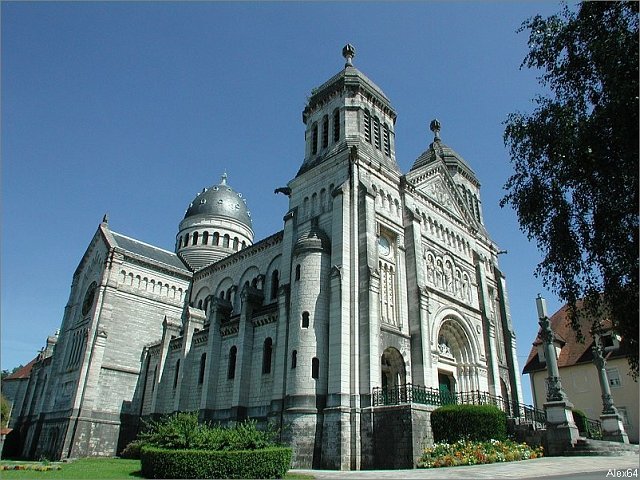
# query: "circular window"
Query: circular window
383,246
90,294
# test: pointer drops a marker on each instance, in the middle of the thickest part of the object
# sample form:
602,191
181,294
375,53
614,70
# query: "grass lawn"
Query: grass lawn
87,468
91,468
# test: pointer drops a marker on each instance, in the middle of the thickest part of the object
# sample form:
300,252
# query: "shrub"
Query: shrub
166,463
183,431
132,450
451,423
580,420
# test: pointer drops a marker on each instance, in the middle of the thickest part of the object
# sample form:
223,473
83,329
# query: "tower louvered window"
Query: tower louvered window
336,125
367,126
314,139
385,140
325,131
376,132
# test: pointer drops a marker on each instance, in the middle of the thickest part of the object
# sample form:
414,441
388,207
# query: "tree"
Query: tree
5,411
575,160
6,373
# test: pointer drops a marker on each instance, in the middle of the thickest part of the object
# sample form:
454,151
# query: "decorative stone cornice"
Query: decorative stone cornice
230,328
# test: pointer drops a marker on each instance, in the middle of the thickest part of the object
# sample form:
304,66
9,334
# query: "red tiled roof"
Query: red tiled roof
572,352
23,372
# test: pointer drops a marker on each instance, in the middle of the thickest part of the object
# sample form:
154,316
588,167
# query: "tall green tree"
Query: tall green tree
575,159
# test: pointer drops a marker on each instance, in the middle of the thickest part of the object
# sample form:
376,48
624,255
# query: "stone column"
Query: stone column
612,427
562,432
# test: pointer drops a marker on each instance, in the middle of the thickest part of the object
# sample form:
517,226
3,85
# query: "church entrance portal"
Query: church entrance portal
446,385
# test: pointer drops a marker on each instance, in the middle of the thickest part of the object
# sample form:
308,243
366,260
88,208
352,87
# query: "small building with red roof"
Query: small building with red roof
578,373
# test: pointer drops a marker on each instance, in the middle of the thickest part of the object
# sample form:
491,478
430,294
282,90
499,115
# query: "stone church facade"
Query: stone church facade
378,280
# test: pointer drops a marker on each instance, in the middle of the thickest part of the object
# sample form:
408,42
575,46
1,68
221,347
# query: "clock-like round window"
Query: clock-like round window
90,294
383,246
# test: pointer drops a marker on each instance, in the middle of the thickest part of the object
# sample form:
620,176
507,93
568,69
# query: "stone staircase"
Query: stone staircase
586,446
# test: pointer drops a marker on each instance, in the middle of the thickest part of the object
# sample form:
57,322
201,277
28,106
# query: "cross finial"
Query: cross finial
348,52
434,126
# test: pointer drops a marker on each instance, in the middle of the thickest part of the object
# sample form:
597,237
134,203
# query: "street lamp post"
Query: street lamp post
612,427
554,385
562,432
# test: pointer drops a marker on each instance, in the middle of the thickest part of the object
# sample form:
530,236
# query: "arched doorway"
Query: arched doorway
457,358
392,369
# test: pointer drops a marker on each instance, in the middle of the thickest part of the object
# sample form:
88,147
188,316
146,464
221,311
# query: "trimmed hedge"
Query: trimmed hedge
166,463
451,423
580,420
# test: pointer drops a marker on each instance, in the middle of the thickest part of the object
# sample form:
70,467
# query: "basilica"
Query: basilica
379,284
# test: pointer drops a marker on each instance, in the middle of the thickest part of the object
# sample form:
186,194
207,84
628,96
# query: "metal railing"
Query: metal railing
592,429
409,393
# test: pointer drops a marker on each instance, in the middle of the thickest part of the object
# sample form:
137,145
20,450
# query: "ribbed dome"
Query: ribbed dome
220,200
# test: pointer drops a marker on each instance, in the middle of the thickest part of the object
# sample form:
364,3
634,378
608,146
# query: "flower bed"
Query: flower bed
36,468
465,452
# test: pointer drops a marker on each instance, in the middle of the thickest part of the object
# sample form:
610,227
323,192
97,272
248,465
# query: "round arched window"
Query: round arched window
89,296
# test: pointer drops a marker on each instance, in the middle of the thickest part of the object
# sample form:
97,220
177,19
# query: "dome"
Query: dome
220,200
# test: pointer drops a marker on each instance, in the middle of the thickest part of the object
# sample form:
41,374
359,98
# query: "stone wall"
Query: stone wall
394,437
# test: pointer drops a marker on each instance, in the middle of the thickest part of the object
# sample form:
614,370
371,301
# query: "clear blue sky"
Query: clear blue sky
132,108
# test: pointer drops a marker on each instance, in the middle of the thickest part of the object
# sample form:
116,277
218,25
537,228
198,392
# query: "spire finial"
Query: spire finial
223,179
434,126
348,52
105,219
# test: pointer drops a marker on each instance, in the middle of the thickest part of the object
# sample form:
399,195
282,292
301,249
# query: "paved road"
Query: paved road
561,468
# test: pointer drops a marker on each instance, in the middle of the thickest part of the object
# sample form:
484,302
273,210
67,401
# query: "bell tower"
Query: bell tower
347,110
344,223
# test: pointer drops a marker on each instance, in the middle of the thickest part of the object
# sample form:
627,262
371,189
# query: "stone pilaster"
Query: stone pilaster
219,310
242,382
490,338
369,346
193,319
339,328
509,340
170,329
